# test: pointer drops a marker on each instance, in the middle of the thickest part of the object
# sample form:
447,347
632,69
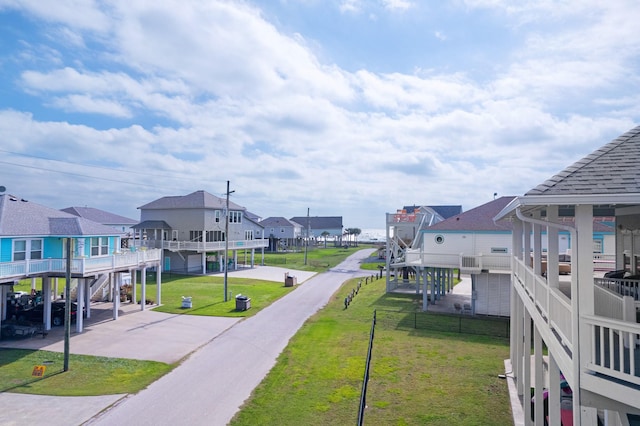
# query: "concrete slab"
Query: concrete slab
271,273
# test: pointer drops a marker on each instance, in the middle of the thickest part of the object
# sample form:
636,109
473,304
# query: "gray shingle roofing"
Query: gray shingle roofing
19,217
477,219
444,211
319,222
277,221
100,216
612,169
195,200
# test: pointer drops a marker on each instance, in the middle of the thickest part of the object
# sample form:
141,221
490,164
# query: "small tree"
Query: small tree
325,234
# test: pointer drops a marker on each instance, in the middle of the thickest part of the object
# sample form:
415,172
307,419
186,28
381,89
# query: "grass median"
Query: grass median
417,377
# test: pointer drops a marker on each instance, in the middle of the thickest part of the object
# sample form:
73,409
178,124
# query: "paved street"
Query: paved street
212,384
228,359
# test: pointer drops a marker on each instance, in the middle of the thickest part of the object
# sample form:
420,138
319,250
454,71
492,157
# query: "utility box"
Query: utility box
186,302
242,303
289,281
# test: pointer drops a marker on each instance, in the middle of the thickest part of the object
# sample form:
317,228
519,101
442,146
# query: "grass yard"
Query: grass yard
417,377
207,293
87,375
319,259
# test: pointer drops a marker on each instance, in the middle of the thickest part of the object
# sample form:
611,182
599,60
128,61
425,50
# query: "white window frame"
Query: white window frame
99,246
28,252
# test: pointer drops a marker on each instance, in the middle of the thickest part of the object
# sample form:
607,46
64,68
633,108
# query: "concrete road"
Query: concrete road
212,384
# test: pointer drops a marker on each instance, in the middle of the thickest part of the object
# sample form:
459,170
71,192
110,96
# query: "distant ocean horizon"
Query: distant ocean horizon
373,234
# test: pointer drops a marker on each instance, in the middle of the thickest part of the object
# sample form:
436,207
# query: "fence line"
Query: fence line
365,381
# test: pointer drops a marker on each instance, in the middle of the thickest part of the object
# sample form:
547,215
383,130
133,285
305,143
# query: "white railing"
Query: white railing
552,303
622,286
81,266
560,316
608,303
463,261
604,262
203,246
614,348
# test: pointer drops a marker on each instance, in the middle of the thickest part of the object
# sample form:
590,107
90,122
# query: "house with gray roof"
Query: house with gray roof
282,233
34,241
120,223
191,230
319,224
584,330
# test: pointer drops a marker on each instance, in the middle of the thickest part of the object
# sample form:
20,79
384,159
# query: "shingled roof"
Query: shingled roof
100,216
477,219
195,200
278,221
19,217
612,169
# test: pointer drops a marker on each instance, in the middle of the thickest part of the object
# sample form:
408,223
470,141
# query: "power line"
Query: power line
80,175
91,165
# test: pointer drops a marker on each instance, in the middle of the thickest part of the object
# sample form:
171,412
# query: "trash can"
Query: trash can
186,302
242,303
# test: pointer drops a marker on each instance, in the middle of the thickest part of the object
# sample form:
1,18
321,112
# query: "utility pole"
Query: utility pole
67,307
226,243
306,247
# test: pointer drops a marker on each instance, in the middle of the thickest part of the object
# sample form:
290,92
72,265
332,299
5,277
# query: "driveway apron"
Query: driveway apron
210,386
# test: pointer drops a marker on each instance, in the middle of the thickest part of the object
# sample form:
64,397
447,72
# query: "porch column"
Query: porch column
235,260
425,291
55,288
253,257
526,364
143,288
538,377
526,243
134,282
554,392
115,295
417,281
87,298
80,296
582,303
516,239
158,285
46,296
203,261
3,303
33,285
537,246
433,285
553,244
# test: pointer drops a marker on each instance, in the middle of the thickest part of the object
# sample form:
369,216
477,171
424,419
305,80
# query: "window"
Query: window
27,249
217,216
439,239
282,230
597,246
36,249
248,234
499,250
213,236
195,236
19,250
235,217
99,246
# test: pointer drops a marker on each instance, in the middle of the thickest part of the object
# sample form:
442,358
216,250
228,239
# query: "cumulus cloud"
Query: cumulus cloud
173,96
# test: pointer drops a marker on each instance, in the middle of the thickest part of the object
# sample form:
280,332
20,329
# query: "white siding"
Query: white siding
492,294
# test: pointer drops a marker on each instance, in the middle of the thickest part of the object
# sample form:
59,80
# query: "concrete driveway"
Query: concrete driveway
228,358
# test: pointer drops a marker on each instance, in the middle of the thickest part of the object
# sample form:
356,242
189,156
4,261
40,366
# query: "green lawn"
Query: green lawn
418,376
319,259
87,375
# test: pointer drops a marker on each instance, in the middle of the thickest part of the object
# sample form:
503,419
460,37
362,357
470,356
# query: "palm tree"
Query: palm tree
325,234
355,232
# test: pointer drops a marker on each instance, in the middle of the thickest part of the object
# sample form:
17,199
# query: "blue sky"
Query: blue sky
345,107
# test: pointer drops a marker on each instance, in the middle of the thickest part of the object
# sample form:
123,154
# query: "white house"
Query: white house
587,328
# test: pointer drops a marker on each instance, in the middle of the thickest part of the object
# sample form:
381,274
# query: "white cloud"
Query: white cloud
397,4
221,94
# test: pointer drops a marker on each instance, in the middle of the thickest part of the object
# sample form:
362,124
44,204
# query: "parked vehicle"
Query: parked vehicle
36,314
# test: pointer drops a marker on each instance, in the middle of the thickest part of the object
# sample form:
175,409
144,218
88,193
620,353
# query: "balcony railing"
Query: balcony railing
466,263
81,266
202,246
614,342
